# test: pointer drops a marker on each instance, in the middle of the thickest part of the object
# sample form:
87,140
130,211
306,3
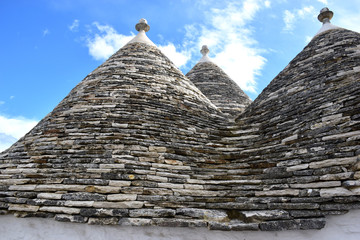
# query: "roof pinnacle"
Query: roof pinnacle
204,51
325,15
142,25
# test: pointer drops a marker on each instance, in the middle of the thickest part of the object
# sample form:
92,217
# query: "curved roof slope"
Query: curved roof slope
126,137
215,84
302,134
135,143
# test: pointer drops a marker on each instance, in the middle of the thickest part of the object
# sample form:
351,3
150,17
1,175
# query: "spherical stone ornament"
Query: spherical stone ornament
325,15
142,25
204,50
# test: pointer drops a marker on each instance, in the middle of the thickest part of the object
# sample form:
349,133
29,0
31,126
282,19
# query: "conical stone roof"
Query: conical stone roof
135,143
126,135
216,85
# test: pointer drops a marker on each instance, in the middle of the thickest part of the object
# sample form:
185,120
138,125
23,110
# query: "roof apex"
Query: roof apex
205,51
142,27
325,16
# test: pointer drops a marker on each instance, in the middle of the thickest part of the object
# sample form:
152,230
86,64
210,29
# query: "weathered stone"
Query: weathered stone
102,189
335,192
339,207
157,178
344,135
297,167
137,139
34,214
314,223
327,184
152,213
79,203
121,197
103,221
285,192
235,205
60,187
49,195
289,139
125,204
115,183
65,210
260,216
22,187
294,206
92,212
209,215
279,225
173,222
83,196
306,213
70,218
157,149
136,222
23,208
13,181
333,162
338,176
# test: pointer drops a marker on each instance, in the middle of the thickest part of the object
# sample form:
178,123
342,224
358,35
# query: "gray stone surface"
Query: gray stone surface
137,144
219,88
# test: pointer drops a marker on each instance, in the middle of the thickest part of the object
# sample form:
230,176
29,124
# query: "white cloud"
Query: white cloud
12,129
323,1
347,19
225,30
106,42
227,34
6,141
178,58
242,64
291,17
305,11
267,4
74,27
46,32
308,39
2,102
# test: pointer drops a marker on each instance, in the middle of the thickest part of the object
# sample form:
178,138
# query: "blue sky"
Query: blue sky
48,46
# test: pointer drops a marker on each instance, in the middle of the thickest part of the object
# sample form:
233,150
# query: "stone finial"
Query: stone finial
142,25
325,15
204,50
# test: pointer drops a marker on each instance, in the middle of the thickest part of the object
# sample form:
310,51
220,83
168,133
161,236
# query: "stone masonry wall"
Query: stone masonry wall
219,88
135,143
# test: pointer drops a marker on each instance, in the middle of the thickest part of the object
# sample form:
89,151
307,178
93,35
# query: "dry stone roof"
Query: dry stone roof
136,143
218,86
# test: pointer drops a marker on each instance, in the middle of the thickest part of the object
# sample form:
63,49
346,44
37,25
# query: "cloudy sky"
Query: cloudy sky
49,46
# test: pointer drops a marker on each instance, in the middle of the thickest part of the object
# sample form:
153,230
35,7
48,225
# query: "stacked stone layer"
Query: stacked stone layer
219,88
136,143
